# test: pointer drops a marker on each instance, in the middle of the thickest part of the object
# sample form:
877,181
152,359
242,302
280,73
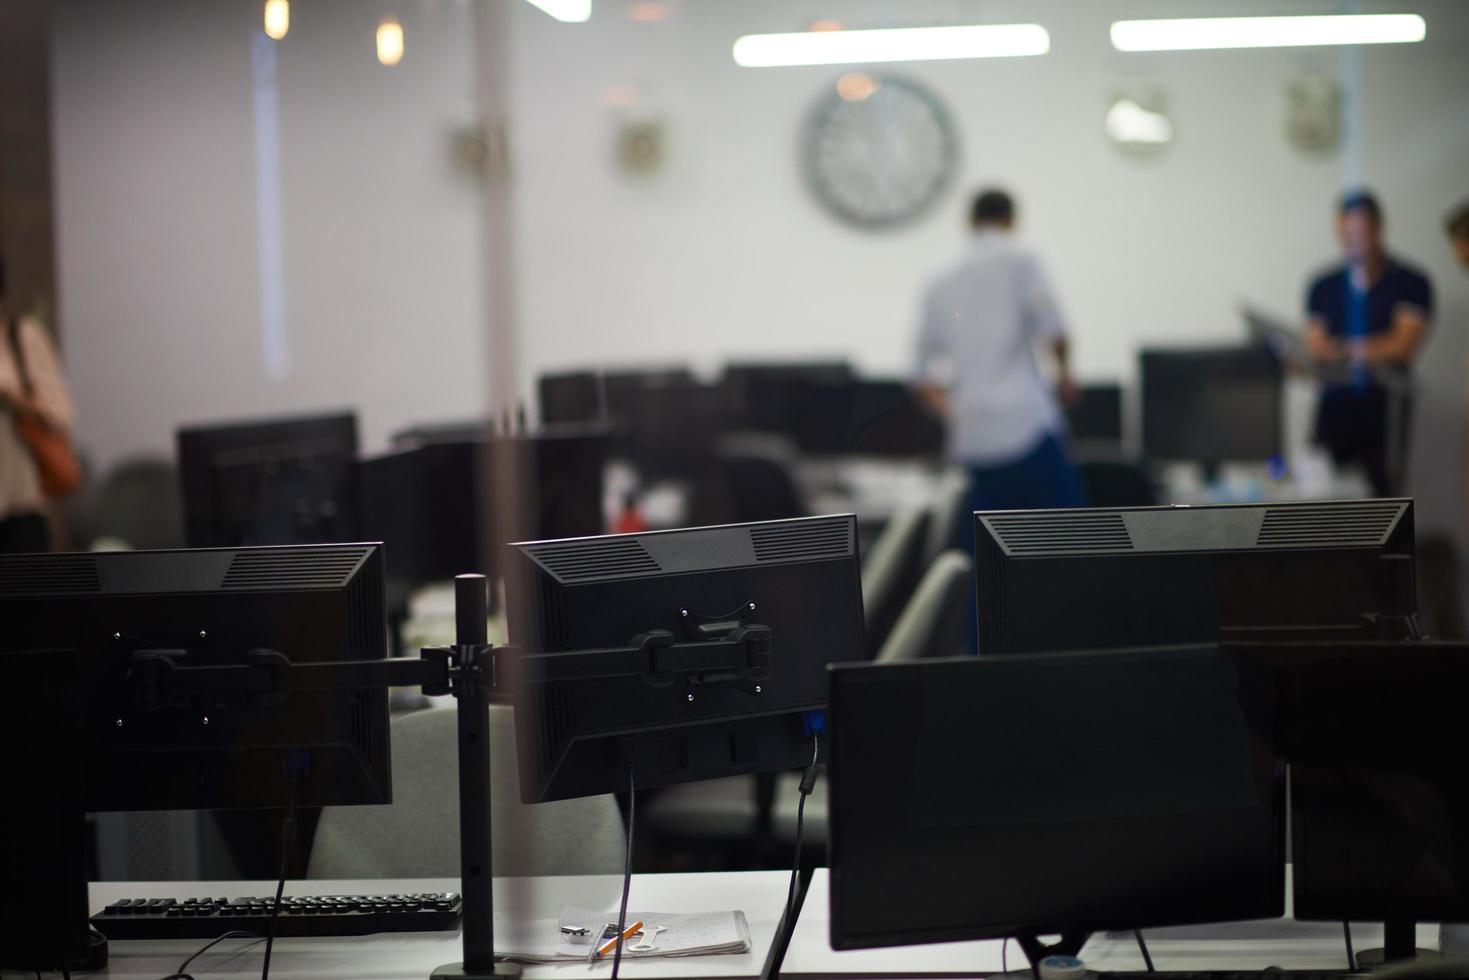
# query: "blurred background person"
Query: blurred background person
31,387
1367,321
977,367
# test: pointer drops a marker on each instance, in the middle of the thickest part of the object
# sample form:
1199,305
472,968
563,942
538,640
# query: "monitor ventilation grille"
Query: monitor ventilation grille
1061,533
802,541
48,575
1355,524
293,568
595,560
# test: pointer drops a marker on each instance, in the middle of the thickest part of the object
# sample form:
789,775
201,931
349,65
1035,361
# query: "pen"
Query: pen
631,930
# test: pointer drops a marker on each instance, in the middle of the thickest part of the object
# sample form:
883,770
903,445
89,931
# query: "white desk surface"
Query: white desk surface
760,895
1284,942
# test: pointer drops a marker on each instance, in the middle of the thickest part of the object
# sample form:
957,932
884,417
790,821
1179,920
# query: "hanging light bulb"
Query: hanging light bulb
277,18
390,41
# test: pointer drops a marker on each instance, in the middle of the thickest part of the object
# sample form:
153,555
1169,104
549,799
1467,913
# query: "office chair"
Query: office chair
890,572
758,479
949,517
417,835
932,624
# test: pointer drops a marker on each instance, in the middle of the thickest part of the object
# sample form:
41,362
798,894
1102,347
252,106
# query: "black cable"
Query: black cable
632,805
288,839
1346,931
1143,945
808,781
182,973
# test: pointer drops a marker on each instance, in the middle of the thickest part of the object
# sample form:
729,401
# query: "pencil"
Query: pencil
631,930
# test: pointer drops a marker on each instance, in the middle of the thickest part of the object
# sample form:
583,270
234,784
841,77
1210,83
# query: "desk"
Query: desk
389,956
1224,946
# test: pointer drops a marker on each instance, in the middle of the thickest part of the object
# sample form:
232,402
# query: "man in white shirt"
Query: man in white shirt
977,367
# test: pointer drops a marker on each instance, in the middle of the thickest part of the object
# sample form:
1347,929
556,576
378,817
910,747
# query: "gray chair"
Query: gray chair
890,571
932,624
948,510
417,835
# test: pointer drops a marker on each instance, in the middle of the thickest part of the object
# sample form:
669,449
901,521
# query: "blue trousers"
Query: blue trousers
1045,477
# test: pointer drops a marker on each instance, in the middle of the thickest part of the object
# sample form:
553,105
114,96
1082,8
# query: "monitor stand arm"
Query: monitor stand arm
1070,944
1399,945
465,670
731,653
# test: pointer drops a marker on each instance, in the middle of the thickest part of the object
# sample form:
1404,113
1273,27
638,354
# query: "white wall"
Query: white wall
726,254
159,220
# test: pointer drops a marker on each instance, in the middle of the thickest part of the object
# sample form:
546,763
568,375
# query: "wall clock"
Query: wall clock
879,150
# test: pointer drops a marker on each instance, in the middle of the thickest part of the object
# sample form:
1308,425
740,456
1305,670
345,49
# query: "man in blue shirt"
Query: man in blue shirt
1368,319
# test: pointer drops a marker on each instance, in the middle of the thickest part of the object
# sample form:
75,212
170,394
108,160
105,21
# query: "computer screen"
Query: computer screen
1373,733
1211,405
274,482
768,397
1096,418
573,396
798,578
1047,793
83,733
867,417
1098,578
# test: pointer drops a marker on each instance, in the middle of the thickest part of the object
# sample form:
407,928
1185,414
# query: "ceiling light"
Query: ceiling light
570,11
891,44
1266,32
277,18
389,42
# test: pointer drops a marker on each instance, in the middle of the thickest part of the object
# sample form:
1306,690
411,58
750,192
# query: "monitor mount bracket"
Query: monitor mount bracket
1070,944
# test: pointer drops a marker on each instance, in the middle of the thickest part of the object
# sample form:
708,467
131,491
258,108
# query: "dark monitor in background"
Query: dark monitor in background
799,579
428,506
1211,405
1096,578
561,468
768,397
1373,733
868,417
670,431
1060,793
276,482
575,396
1096,419
73,623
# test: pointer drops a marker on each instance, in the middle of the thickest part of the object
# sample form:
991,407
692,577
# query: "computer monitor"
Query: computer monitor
1096,418
429,508
867,417
1211,405
1098,578
670,430
573,396
729,704
82,734
1373,733
1050,793
275,482
769,397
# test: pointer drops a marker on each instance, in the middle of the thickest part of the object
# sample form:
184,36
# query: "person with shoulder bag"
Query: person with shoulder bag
37,459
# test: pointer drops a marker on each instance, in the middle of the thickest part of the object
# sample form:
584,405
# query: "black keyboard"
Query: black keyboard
1229,975
301,915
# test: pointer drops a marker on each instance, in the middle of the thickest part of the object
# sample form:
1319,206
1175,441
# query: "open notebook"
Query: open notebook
682,934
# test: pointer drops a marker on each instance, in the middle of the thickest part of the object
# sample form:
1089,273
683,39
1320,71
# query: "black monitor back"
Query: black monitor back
573,396
575,736
868,417
1045,793
317,603
1095,578
1374,736
768,397
1211,405
428,507
272,482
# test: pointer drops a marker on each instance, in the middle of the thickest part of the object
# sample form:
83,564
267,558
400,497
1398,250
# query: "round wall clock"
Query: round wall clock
879,150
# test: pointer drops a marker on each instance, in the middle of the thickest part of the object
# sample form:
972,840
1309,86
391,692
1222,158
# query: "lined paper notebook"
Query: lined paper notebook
683,934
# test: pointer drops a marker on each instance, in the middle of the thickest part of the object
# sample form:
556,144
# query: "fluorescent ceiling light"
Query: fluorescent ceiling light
570,11
1200,33
895,44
